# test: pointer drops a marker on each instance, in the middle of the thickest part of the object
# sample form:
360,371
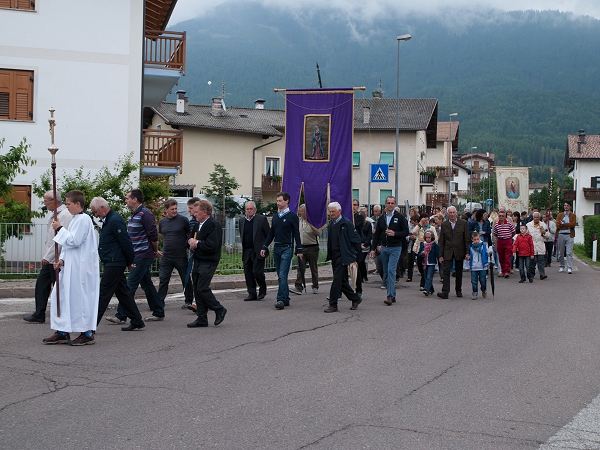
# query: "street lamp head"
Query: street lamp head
453,114
404,37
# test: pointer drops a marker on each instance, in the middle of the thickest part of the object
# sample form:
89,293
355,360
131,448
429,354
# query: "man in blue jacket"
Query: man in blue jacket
343,244
116,252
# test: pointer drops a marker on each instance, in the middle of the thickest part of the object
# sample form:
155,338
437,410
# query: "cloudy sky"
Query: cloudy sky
189,9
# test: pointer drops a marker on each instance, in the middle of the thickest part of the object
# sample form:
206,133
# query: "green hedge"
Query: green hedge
591,226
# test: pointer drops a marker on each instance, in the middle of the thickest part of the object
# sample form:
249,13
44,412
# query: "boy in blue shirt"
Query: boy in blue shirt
479,260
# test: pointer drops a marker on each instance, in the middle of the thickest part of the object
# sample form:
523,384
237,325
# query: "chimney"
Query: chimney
216,107
581,140
182,102
259,103
366,114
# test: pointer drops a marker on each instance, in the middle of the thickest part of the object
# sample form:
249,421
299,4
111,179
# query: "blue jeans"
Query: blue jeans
428,274
140,276
283,261
524,262
389,259
478,276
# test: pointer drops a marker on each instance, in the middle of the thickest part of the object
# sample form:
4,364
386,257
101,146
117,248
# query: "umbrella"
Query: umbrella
188,271
491,277
302,271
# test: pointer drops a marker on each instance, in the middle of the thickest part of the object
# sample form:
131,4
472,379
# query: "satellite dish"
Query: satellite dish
209,82
223,103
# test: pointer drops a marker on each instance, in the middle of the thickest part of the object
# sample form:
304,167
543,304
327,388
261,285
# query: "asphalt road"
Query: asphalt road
507,372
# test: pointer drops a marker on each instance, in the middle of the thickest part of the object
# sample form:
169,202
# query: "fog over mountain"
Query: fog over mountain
520,81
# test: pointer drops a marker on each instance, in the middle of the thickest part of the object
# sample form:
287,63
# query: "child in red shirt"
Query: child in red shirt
524,246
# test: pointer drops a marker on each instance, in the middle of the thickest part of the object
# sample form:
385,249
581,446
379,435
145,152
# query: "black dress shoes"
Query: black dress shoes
196,324
132,327
459,294
260,296
220,315
442,295
331,309
33,319
251,298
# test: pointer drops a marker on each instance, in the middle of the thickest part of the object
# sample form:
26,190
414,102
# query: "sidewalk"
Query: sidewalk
26,288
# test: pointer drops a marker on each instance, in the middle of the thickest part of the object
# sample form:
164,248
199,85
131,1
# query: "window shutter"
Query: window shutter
25,4
4,93
23,95
5,4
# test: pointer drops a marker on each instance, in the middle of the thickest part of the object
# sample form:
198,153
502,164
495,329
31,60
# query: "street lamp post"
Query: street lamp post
450,173
404,37
471,177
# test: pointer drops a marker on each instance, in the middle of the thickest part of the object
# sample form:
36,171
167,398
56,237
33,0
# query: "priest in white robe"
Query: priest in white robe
79,278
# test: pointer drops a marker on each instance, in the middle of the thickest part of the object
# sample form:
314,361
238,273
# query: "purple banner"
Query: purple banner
319,125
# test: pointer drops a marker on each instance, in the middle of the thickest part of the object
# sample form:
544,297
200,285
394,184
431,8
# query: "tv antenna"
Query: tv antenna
319,75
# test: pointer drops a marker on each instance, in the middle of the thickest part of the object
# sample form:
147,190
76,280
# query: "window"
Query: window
21,193
18,4
386,158
16,94
272,166
383,194
355,159
595,183
355,194
596,209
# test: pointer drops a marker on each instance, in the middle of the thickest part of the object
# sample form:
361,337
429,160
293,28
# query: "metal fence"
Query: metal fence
23,248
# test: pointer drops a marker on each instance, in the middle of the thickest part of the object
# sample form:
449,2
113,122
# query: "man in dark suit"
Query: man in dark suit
343,244
206,245
454,243
254,229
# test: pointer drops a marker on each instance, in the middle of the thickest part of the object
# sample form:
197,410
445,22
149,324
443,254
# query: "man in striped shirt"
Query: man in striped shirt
141,227
504,232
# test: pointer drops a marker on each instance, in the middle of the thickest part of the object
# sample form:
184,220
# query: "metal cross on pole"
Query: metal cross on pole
53,149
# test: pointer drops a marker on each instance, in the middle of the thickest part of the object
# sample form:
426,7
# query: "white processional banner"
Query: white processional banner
513,187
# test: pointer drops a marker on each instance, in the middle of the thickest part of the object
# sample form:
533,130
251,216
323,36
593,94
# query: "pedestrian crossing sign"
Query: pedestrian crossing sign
380,173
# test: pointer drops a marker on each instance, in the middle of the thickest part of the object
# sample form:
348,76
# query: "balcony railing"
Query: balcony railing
569,194
163,148
427,178
436,198
271,183
442,172
590,193
165,50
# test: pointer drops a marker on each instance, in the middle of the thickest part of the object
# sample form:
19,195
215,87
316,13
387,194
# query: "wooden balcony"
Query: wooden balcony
436,198
569,194
427,179
590,194
163,148
271,183
442,172
165,50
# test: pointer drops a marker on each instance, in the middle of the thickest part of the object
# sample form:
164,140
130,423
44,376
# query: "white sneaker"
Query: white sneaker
315,290
114,319
569,271
562,269
294,290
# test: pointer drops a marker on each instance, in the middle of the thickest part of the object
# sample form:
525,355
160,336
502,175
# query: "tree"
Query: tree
13,163
221,190
112,185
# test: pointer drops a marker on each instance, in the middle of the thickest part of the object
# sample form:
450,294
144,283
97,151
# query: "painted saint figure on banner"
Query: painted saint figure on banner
316,137
512,187
317,153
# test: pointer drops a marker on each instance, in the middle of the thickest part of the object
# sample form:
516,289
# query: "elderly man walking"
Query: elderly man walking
538,232
454,241
309,237
343,245
47,275
116,253
254,229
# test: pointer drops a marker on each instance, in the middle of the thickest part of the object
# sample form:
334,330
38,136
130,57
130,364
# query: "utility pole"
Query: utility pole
319,75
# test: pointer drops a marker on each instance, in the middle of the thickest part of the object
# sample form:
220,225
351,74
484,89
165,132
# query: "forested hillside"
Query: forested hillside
520,81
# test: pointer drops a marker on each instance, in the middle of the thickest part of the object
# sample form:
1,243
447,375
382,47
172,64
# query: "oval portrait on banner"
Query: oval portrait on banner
512,187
